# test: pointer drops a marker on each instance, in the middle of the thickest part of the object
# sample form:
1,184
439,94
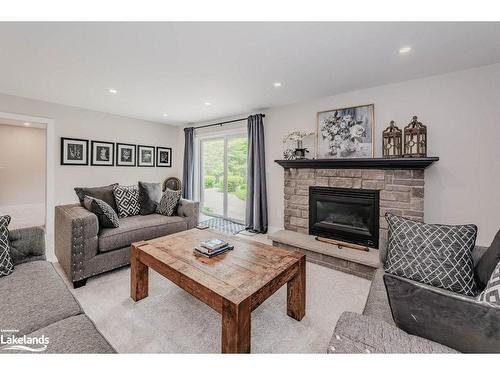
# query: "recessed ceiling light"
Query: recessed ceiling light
26,124
113,91
404,50
208,103
165,115
277,84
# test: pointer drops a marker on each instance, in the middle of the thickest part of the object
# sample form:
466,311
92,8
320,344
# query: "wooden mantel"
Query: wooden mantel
360,163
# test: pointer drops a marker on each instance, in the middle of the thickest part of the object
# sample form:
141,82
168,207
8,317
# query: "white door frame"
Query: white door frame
49,171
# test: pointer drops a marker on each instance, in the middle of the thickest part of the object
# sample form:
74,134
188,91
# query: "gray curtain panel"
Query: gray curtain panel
256,215
188,171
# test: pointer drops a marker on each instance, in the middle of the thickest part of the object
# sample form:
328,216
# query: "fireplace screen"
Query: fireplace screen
350,215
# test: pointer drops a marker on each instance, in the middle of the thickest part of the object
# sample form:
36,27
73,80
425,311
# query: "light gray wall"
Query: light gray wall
75,122
462,112
22,165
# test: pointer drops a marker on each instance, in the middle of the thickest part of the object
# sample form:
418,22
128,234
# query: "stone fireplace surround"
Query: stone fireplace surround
401,192
400,182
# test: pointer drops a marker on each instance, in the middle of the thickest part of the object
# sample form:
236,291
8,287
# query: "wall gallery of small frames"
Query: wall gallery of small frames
77,152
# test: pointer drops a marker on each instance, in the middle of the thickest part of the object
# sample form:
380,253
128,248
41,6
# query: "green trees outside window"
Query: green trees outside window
213,168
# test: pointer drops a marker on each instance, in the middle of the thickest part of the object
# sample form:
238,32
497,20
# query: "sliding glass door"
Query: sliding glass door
223,185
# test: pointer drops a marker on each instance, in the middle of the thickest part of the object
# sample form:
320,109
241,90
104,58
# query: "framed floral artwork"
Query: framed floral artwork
74,151
345,133
145,156
125,155
102,153
163,157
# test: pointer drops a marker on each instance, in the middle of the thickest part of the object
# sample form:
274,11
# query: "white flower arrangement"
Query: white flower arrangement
296,135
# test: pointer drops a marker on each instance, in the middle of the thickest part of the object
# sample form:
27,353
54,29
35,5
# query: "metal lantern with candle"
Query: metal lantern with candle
415,139
392,139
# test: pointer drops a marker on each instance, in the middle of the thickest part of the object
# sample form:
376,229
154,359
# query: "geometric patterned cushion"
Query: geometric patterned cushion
106,216
168,202
6,265
433,254
491,293
127,200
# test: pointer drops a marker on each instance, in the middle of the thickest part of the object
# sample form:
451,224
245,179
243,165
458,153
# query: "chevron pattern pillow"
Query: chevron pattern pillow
491,293
127,200
434,254
6,265
168,202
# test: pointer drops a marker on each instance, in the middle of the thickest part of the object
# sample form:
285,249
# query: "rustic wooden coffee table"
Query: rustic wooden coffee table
233,284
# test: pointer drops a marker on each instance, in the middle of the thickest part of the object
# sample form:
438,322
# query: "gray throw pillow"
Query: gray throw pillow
149,197
104,193
433,254
168,203
127,200
486,264
491,293
106,216
6,265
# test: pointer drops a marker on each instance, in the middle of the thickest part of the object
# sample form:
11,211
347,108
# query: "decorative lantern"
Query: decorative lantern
392,139
415,139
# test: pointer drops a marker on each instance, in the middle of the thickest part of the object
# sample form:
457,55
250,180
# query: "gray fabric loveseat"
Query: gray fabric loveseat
37,303
450,322
84,251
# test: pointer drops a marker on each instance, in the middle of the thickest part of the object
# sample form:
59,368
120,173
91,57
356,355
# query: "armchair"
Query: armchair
457,321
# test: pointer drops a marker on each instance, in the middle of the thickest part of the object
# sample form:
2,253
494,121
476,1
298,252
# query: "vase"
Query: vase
300,151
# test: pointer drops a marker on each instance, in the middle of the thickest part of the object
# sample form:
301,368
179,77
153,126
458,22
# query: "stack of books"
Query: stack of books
213,247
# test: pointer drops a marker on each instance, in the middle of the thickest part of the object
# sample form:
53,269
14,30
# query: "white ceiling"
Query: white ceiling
175,68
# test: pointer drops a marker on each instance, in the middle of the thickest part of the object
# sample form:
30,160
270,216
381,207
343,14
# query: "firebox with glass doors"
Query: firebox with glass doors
350,215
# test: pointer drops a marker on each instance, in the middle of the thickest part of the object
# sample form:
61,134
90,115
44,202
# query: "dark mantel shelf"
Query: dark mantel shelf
360,163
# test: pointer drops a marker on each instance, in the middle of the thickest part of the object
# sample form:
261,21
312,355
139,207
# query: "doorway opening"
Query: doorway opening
27,173
23,173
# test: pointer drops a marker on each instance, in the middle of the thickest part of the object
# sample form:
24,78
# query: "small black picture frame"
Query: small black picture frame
102,153
74,151
126,155
163,157
145,156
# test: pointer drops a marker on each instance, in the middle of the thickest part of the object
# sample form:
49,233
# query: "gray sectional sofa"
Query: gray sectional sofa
440,321
84,251
36,302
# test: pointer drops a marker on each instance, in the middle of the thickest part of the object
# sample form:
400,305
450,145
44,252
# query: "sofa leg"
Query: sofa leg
79,283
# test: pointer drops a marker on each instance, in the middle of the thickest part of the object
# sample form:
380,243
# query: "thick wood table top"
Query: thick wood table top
233,283
234,276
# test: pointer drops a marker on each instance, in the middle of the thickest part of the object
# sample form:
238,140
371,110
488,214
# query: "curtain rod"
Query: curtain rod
222,123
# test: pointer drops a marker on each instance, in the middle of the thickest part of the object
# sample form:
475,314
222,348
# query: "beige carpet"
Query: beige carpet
172,321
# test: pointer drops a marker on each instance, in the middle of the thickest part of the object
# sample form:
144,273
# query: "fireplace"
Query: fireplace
344,214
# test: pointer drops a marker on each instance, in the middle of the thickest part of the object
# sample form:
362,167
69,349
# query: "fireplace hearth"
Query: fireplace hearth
345,214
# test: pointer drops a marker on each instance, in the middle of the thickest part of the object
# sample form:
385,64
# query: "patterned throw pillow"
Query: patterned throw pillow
168,202
6,266
127,200
105,214
491,293
438,255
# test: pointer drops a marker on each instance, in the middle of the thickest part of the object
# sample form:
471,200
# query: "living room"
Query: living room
304,187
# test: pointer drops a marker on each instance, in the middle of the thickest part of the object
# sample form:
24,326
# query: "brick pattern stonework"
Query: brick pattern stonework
401,192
